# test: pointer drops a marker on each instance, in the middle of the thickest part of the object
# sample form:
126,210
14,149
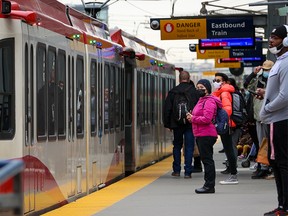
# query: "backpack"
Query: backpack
221,121
182,104
239,113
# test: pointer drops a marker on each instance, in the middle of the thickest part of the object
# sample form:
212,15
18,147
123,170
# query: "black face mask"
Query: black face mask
201,92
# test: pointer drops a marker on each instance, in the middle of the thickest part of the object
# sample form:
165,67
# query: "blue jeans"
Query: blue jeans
179,134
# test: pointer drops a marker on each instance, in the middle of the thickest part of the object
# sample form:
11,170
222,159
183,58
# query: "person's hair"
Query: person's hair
223,75
184,76
232,82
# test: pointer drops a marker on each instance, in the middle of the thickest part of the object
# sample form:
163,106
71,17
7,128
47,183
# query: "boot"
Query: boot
197,164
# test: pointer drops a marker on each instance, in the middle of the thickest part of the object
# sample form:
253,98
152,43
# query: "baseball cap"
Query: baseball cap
267,65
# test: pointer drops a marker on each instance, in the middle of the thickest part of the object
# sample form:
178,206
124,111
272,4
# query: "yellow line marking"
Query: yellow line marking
99,200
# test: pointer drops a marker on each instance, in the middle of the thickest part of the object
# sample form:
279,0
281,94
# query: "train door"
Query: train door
29,171
71,126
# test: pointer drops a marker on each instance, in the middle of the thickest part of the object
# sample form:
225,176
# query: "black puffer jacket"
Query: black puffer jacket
168,119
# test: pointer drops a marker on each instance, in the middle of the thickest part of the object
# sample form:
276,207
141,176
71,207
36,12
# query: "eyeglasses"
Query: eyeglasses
217,80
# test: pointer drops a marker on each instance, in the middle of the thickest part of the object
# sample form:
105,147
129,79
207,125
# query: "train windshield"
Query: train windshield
7,94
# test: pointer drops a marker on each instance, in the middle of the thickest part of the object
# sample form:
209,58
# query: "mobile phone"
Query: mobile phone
253,92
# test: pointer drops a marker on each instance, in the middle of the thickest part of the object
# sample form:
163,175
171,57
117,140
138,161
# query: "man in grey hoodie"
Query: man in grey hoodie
274,111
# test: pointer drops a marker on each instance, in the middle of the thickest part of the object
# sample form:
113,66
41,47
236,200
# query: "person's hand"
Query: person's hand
260,93
257,69
189,116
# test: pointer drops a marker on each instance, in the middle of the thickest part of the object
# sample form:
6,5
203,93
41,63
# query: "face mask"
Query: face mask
265,74
276,50
217,85
201,92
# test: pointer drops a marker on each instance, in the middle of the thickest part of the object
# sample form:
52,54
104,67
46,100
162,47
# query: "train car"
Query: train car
149,77
68,102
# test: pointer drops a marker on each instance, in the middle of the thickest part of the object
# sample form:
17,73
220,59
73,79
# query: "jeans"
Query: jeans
229,151
280,164
179,134
205,146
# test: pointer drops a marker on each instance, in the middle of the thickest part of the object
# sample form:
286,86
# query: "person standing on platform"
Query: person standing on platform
223,91
205,132
181,130
261,74
274,111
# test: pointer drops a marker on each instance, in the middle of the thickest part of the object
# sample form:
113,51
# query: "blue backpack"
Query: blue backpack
221,121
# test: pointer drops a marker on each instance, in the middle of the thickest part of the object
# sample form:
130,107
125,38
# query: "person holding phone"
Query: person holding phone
256,83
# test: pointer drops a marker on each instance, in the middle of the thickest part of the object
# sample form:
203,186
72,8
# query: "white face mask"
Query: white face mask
276,50
217,85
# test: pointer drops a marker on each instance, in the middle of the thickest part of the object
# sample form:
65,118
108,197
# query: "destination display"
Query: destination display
226,43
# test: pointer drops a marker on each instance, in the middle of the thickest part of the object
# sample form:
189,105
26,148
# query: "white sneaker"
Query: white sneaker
230,181
254,166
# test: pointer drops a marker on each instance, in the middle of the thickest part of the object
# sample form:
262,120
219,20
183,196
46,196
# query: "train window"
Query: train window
139,98
106,97
117,98
93,118
152,99
7,91
122,102
41,91
61,93
71,100
100,98
157,98
112,98
52,84
80,96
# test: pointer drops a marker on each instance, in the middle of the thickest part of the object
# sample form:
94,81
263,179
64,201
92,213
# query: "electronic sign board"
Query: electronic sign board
226,43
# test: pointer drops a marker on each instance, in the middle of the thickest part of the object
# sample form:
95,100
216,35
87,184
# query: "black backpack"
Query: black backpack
239,113
182,104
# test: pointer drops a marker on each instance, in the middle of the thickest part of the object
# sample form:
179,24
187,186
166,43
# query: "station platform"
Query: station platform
153,191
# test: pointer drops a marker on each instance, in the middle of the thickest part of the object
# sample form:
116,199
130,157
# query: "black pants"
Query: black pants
280,164
229,151
205,146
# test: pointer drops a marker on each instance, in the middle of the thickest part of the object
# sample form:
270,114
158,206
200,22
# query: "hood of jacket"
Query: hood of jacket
224,88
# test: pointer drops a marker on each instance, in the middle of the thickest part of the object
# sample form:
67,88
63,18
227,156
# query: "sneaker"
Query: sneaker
254,166
241,156
230,181
270,176
175,174
261,174
186,176
273,212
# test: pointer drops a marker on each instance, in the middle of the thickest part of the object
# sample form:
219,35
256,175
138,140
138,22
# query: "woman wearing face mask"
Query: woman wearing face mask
205,132
260,77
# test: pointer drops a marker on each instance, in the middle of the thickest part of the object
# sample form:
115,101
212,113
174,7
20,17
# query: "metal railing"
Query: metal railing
11,203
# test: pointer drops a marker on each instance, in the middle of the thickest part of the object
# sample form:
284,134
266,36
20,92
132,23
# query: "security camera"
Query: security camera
155,24
192,47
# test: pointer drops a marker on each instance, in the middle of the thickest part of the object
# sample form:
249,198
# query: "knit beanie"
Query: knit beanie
280,32
205,83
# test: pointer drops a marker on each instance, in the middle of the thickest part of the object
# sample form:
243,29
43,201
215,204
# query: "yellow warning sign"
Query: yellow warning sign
183,29
212,54
219,64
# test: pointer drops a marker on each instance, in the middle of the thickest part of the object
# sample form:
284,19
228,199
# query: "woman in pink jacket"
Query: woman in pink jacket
205,132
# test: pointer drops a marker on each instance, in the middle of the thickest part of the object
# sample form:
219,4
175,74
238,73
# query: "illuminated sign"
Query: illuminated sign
183,29
226,43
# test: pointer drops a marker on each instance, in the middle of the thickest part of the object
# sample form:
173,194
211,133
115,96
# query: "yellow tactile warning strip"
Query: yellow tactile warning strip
106,197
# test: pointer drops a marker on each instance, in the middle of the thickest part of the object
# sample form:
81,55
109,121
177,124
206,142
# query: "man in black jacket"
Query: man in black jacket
181,130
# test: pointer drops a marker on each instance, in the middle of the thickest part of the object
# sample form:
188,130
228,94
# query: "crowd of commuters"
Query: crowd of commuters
266,97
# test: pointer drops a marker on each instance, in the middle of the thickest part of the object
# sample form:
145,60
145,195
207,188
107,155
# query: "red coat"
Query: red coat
224,93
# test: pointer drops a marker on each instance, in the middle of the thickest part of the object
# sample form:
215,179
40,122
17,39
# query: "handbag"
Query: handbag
262,156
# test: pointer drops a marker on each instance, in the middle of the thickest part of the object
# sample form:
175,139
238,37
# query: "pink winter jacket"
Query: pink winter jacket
203,114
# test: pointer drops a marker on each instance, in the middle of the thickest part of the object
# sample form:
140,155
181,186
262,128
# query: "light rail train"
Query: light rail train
81,110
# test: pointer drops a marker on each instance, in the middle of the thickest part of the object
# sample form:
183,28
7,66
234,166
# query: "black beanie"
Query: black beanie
206,83
280,32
